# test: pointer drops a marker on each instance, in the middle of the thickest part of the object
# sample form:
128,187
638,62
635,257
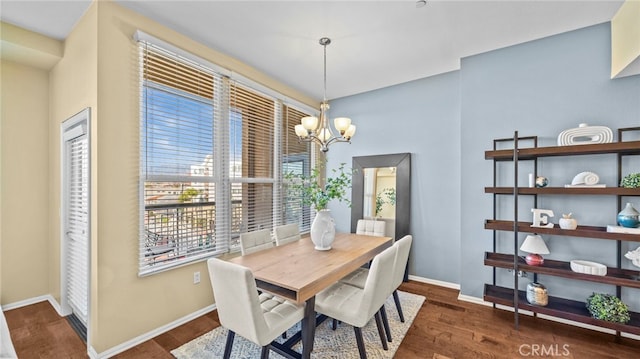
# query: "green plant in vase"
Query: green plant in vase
316,191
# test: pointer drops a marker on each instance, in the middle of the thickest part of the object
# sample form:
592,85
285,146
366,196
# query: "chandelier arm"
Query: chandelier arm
337,139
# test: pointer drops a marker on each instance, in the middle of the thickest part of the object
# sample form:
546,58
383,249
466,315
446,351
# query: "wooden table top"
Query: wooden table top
297,271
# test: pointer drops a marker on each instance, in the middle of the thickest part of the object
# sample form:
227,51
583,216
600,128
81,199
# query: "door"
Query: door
75,217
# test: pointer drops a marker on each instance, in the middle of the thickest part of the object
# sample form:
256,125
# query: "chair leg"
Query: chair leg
385,321
360,341
265,352
398,306
383,340
228,345
334,324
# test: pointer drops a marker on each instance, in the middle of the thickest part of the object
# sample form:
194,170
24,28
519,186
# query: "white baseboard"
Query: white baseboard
435,282
474,300
151,334
23,303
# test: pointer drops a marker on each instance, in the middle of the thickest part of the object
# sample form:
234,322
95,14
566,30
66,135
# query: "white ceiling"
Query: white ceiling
374,43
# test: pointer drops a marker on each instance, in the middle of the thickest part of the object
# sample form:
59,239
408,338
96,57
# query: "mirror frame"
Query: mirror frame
402,162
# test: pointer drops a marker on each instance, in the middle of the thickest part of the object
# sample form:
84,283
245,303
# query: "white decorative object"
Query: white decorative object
586,178
323,230
621,229
586,267
566,222
584,135
539,220
532,180
634,257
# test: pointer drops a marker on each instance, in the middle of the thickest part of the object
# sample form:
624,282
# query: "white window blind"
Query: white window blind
77,207
213,151
298,158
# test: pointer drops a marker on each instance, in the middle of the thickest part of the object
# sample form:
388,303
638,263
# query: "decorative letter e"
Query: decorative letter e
539,220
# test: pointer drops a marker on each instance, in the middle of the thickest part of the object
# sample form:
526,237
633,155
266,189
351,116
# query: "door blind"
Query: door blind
77,226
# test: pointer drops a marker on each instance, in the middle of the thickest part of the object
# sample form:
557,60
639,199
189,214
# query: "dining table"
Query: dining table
297,271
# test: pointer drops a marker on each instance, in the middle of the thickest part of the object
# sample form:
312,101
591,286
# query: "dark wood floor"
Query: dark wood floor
444,328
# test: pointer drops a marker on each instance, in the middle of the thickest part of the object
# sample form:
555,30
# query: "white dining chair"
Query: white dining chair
371,227
286,233
356,306
359,277
255,241
240,311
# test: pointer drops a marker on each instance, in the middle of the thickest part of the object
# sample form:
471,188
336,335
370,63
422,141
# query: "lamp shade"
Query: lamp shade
301,131
534,244
310,123
342,123
350,131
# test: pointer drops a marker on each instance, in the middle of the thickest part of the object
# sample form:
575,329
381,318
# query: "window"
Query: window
213,153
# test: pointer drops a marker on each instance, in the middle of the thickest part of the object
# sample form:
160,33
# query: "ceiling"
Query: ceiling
375,44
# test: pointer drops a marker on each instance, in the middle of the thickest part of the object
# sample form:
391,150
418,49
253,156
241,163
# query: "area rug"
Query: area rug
340,343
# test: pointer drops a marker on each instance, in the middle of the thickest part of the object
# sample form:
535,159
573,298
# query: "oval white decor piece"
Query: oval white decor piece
586,267
585,135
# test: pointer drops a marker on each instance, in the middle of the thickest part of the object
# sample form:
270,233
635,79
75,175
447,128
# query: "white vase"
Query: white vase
323,230
568,223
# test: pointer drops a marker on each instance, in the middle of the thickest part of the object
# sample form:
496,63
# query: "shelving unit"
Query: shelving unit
616,276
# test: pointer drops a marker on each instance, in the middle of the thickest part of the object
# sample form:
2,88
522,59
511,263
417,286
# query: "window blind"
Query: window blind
213,151
180,105
297,157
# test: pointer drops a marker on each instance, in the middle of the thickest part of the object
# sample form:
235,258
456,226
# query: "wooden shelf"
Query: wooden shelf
615,276
581,231
620,191
559,307
628,148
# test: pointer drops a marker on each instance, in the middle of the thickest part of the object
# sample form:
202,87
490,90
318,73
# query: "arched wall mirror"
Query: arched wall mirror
381,190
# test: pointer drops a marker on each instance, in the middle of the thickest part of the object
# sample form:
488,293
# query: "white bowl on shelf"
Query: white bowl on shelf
587,267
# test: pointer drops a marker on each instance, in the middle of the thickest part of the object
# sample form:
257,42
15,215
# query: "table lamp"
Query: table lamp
534,245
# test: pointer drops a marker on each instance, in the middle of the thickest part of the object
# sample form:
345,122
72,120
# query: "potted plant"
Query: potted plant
631,180
316,191
608,307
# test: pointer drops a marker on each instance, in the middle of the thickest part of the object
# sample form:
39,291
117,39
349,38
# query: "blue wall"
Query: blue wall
447,121
542,88
421,117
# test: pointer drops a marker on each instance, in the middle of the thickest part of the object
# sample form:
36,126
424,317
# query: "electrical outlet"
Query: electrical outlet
196,277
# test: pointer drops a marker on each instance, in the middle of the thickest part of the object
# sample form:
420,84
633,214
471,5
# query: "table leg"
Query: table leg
308,327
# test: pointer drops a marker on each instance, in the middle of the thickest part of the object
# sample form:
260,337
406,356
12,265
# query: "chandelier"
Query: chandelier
309,131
